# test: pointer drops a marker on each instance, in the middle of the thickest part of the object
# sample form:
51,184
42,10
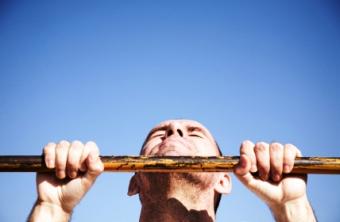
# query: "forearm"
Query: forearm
296,210
43,211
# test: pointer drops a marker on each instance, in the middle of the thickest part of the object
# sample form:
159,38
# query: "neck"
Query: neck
184,202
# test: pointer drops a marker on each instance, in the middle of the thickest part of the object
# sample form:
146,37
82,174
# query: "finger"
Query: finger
84,155
276,161
290,152
247,148
73,159
93,162
61,158
262,158
49,154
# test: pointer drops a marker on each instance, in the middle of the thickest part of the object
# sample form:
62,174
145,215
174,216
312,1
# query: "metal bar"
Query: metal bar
167,164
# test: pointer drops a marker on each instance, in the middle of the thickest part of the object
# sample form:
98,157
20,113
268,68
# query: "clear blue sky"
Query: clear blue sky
108,71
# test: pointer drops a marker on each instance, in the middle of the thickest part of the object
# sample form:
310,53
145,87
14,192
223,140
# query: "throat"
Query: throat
176,197
173,210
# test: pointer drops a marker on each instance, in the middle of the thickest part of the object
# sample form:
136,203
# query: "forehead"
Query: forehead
183,122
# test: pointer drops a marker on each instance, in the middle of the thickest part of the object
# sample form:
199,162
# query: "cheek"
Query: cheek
150,145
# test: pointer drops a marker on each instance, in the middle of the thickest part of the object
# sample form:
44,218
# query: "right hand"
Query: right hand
76,168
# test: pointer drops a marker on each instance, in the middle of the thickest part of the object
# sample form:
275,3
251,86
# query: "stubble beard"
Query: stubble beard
163,182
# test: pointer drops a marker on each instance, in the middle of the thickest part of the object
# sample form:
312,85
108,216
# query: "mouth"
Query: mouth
169,152
173,148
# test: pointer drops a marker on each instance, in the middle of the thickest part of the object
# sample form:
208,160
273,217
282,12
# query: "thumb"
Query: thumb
242,170
94,168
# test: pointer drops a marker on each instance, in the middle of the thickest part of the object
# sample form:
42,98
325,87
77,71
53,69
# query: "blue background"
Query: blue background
108,71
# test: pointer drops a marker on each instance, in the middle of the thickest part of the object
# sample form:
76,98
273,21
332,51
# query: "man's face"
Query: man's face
179,138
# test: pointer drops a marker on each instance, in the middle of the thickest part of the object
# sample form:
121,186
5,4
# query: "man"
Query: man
263,169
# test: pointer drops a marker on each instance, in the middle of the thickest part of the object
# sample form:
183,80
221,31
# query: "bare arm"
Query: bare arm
296,210
43,211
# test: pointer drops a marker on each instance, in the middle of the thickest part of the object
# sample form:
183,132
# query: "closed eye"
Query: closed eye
195,135
157,135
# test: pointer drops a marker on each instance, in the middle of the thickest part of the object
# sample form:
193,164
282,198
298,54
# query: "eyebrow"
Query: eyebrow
196,128
190,128
155,130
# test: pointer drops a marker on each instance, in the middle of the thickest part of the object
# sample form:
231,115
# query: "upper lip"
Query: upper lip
172,144
169,141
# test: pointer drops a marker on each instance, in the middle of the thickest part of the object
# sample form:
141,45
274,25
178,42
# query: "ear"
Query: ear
133,186
223,183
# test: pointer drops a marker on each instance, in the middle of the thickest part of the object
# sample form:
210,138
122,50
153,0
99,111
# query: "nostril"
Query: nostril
180,132
170,132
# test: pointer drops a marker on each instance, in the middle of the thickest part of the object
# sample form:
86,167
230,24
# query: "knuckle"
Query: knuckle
49,147
46,149
63,143
293,150
276,147
244,149
290,146
260,146
289,149
92,145
77,143
50,144
247,143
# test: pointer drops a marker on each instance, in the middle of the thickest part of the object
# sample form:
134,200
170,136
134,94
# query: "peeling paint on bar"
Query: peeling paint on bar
166,164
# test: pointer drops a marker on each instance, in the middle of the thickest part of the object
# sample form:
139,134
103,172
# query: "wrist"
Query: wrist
293,210
45,211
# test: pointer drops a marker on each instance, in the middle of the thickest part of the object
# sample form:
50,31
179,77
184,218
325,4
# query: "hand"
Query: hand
76,169
272,163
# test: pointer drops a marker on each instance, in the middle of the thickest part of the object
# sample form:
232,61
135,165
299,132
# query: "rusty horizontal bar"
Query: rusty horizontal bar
166,164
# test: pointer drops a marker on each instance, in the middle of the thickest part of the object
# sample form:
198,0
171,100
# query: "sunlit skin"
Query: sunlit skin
169,192
179,138
176,197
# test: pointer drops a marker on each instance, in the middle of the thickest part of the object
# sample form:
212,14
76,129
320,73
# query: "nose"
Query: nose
175,129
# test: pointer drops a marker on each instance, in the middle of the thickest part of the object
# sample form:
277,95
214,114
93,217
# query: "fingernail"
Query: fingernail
263,176
266,177
73,174
83,168
50,164
277,177
61,174
286,168
253,168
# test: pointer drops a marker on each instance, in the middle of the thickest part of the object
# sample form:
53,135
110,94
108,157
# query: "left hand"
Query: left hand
273,163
